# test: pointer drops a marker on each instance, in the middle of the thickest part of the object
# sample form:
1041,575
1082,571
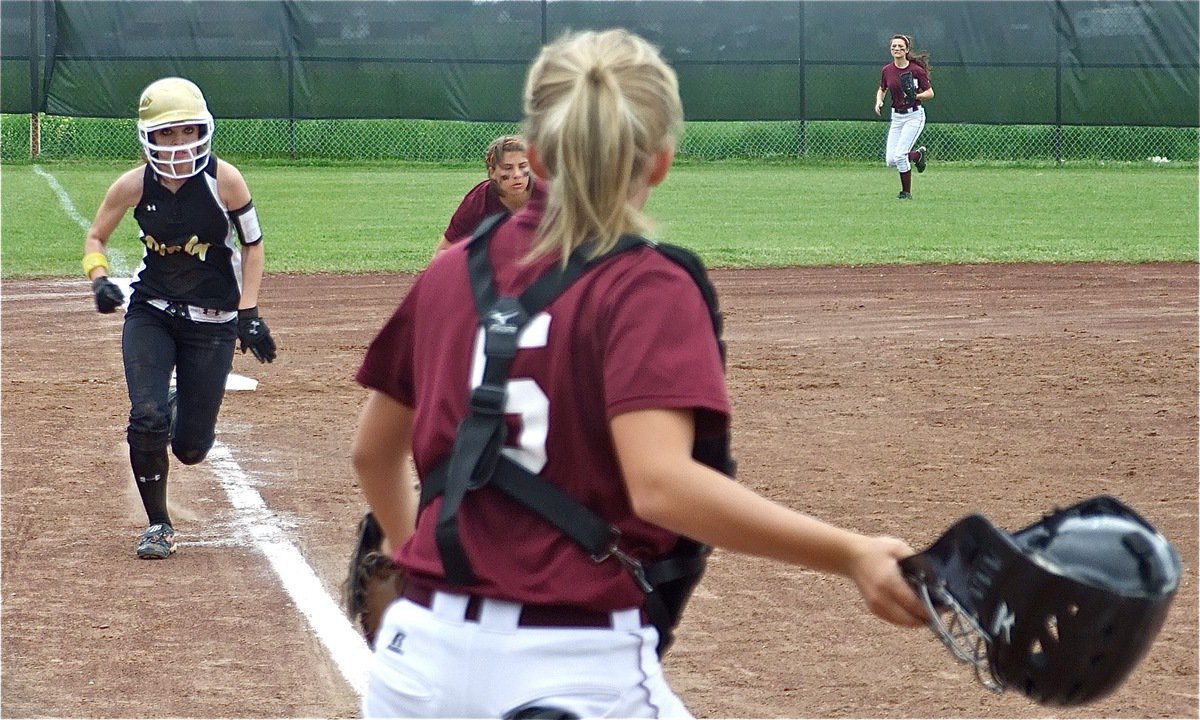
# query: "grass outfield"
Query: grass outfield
387,217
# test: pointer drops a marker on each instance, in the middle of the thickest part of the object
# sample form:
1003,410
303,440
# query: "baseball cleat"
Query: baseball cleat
921,159
157,542
904,196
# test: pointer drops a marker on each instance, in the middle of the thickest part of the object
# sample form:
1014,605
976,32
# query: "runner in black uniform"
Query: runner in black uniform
194,294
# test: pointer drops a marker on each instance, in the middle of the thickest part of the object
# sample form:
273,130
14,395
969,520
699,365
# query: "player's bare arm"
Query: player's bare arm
668,488
122,195
235,194
231,185
379,452
253,262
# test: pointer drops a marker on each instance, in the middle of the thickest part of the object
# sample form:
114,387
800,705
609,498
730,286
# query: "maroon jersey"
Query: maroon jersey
633,333
479,204
889,79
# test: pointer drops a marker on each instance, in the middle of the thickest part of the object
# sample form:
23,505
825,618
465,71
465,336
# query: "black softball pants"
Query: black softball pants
153,343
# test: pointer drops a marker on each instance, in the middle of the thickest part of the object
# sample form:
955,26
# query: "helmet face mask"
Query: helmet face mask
953,578
1062,610
174,103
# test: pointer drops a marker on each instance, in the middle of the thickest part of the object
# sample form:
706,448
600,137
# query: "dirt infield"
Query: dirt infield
890,400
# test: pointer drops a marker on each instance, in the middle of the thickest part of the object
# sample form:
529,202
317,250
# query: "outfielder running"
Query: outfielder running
194,294
906,79
610,388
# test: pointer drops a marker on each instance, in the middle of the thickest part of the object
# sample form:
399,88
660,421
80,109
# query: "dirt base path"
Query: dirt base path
889,400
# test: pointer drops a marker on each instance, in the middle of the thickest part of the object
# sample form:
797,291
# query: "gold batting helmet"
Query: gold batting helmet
169,103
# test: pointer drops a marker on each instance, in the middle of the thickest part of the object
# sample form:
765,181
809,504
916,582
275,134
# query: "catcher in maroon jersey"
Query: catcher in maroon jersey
510,184
608,389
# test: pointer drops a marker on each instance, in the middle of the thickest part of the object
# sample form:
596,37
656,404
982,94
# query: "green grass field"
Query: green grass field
387,217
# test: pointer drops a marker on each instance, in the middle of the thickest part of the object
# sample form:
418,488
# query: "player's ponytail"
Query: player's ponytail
919,57
598,107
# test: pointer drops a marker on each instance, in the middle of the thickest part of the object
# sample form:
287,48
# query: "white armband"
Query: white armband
246,222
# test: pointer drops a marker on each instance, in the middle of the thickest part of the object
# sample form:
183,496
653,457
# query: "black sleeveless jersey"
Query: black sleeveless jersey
191,254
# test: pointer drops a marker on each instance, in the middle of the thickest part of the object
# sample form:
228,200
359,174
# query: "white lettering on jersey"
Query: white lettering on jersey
524,398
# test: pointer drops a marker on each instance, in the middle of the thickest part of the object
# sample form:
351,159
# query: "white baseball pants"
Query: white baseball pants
430,662
902,135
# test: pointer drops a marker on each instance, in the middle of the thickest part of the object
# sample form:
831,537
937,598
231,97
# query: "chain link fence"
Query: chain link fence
301,141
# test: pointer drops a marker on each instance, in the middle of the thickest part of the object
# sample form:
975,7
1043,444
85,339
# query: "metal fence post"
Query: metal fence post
803,149
35,132
290,33
1058,63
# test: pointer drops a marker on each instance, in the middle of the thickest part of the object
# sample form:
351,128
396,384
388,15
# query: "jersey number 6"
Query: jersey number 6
525,398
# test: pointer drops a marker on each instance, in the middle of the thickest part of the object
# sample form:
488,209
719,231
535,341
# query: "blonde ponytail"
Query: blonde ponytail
598,107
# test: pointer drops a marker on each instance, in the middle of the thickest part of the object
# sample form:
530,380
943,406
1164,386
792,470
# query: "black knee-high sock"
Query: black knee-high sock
906,181
150,471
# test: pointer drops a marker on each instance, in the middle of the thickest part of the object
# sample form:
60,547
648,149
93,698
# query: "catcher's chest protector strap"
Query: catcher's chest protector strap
475,456
475,459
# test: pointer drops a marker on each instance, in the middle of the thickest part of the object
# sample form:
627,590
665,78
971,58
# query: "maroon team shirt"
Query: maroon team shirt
480,203
889,79
633,333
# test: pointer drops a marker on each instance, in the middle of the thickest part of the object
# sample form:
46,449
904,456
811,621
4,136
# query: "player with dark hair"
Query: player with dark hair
609,390
906,79
509,185
194,296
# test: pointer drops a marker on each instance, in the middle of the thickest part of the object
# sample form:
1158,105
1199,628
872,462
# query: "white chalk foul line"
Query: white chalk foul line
118,260
349,650
347,647
63,198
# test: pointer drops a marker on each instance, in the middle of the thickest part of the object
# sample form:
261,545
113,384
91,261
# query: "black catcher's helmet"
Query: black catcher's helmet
1061,611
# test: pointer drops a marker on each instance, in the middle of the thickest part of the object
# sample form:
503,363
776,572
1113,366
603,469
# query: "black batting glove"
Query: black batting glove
252,331
108,296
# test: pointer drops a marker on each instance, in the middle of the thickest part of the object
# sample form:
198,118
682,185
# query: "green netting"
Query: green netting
343,78
1085,63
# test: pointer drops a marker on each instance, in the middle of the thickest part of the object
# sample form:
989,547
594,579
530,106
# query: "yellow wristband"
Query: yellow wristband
94,260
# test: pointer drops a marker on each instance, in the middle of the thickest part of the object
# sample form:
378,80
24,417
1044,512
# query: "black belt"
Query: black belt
531,615
907,110
191,312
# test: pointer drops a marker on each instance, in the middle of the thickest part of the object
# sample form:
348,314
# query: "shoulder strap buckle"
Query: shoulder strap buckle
487,400
631,564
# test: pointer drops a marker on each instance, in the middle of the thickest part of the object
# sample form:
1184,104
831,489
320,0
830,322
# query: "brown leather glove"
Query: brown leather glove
373,580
